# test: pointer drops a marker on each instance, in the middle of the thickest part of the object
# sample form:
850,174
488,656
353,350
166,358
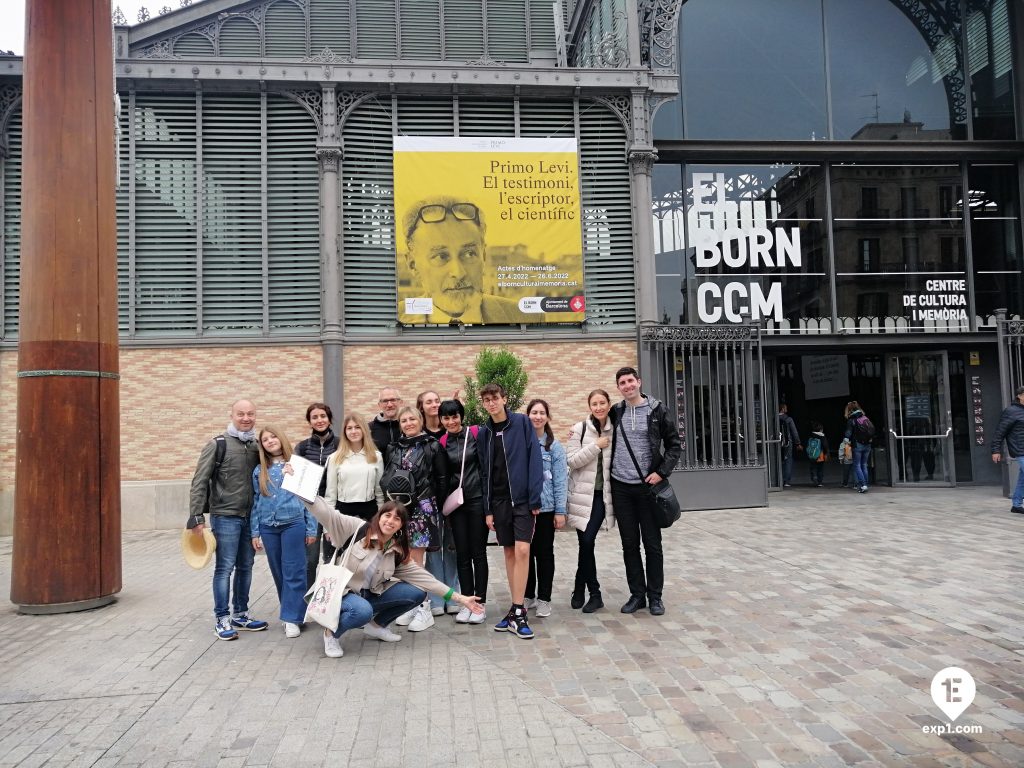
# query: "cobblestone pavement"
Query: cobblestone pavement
804,634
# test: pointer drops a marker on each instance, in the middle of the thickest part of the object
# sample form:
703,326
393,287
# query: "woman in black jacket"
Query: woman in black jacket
467,522
417,454
318,448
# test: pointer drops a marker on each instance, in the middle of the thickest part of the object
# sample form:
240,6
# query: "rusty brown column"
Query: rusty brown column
67,496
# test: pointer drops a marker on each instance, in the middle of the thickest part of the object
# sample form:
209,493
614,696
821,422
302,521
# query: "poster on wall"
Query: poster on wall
825,376
487,230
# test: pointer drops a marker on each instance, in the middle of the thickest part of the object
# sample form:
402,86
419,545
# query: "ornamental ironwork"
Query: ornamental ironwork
659,33
699,333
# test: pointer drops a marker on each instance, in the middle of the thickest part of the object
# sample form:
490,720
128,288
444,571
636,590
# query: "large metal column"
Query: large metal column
329,153
67,499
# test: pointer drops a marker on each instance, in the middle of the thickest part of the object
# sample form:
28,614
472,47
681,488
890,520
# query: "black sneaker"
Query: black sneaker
1017,510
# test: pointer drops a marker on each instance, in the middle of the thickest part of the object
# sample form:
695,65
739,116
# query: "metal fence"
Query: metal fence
712,379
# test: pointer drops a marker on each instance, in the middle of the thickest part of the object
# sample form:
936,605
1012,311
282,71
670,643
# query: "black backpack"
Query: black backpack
398,484
218,459
863,430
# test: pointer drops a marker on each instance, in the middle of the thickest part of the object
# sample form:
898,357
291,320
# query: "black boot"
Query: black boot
576,601
594,602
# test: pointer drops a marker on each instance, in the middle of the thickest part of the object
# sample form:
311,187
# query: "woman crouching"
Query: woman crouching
385,582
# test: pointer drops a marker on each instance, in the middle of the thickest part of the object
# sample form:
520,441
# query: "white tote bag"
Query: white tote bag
324,597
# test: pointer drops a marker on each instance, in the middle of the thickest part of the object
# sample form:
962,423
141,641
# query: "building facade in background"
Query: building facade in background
803,201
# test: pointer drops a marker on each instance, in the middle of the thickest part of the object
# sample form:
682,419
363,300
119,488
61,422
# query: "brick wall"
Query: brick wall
561,373
173,400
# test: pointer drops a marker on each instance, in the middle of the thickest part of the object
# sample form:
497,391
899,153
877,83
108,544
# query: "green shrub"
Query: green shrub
495,365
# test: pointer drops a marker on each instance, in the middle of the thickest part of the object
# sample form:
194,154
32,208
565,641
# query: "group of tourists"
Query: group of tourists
412,497
853,453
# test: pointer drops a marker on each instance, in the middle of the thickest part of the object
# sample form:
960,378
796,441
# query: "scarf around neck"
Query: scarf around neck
245,437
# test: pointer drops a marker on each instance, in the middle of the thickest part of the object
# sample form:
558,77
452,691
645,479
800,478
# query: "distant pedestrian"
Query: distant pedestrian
790,444
552,510
317,448
589,451
280,524
222,485
817,453
860,432
1011,429
845,456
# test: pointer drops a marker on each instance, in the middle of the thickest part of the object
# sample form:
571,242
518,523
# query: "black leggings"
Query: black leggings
542,557
586,564
470,533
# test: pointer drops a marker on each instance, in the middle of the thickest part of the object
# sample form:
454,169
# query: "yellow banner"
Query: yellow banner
488,230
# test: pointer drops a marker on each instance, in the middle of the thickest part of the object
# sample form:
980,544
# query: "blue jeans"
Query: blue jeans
861,452
358,609
443,564
286,555
787,464
1018,492
234,553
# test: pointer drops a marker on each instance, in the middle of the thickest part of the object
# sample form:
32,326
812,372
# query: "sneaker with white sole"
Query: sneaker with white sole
381,633
478,618
437,610
291,630
332,646
463,616
224,630
244,622
406,618
529,602
424,620
543,608
519,626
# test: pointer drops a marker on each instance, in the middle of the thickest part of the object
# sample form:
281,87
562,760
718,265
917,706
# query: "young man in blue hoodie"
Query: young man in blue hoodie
513,476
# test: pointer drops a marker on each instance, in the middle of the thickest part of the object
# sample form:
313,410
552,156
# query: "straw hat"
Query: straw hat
198,550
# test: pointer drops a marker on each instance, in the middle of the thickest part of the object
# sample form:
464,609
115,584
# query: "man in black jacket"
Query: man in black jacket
384,427
652,452
1011,429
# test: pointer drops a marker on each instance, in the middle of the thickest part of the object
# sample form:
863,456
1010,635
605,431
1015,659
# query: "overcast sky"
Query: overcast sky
12,18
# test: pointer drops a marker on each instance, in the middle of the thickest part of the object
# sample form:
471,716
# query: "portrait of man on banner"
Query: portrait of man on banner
487,231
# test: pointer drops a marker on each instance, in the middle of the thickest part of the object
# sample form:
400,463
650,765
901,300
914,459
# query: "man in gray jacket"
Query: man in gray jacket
1011,429
222,485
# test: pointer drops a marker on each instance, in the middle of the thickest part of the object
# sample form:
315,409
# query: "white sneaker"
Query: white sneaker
423,620
381,633
463,616
453,608
291,630
332,646
437,610
406,618
478,618
529,603
543,608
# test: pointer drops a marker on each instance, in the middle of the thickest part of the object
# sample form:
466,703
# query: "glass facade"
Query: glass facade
863,70
818,248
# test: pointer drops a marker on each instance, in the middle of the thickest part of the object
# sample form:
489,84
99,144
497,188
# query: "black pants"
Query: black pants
635,518
363,509
586,563
542,558
470,532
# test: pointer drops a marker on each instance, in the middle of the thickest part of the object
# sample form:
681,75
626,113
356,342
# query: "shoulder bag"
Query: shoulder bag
457,498
666,505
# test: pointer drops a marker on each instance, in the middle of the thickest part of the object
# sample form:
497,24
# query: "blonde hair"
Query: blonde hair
265,460
414,411
345,447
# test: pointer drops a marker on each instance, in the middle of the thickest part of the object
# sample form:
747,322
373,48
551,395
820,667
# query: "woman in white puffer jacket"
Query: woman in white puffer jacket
589,455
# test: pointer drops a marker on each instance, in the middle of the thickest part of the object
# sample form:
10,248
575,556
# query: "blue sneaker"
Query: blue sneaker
518,626
224,630
242,621
502,626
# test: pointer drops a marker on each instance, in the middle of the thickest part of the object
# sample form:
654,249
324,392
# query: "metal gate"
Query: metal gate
712,379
